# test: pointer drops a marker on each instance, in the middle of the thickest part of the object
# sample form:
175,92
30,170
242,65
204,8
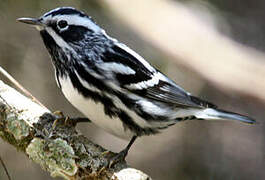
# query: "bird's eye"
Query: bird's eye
62,24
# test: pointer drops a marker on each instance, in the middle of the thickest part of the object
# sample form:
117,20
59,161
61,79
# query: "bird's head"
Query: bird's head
66,32
64,23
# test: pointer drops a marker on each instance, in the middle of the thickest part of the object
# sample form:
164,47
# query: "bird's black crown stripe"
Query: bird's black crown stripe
66,11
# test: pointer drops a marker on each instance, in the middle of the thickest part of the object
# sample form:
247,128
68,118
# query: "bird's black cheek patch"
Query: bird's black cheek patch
74,33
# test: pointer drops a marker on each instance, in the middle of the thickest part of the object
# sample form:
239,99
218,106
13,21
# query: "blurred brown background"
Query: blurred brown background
189,150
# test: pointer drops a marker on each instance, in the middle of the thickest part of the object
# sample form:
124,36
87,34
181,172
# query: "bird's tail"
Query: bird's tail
217,114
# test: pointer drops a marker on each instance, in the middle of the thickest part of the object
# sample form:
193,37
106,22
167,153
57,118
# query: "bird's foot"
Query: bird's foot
61,121
106,153
58,113
120,157
60,117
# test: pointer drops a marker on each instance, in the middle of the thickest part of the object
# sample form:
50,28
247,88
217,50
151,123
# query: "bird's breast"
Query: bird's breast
93,110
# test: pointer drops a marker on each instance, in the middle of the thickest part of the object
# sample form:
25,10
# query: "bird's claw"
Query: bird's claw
60,117
56,121
105,153
58,113
120,157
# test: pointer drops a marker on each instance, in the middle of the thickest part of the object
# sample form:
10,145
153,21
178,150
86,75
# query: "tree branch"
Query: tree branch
54,143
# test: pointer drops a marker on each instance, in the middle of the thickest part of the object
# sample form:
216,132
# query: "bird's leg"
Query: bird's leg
81,120
74,121
122,155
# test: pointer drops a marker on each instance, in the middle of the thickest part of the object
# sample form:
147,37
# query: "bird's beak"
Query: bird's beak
32,21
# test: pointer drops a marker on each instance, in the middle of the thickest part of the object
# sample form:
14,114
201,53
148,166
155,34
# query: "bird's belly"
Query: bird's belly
94,111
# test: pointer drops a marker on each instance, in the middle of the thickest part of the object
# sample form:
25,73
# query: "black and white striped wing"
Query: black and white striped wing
139,77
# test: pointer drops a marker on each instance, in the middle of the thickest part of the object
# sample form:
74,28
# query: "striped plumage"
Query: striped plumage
93,69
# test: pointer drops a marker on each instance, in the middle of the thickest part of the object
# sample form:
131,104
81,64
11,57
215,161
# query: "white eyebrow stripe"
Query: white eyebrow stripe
77,21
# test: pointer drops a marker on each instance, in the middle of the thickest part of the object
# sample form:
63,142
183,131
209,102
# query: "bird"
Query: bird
94,70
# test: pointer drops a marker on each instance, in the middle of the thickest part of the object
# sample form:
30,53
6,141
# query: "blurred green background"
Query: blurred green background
189,150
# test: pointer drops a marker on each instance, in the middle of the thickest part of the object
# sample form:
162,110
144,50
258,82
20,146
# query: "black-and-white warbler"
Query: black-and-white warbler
93,69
